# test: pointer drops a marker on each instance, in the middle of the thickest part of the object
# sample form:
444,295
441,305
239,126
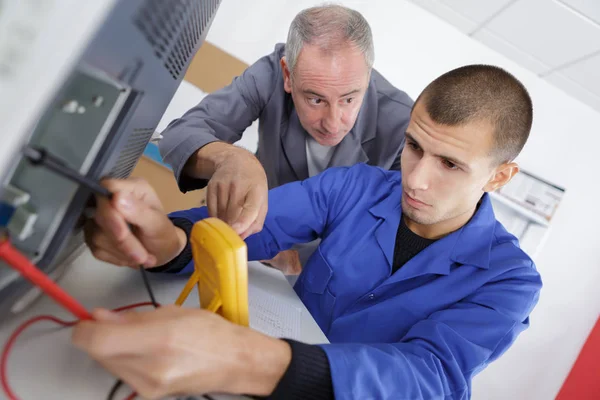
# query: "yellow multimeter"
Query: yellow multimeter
220,270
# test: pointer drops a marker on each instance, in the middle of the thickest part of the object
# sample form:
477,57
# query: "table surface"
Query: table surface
44,365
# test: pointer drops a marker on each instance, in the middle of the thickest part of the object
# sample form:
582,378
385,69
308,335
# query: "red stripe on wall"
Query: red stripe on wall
583,382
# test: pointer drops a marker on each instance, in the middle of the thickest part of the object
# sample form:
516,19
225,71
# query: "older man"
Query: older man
319,104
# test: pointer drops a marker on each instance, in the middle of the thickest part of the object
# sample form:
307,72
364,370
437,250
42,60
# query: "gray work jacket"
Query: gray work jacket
377,137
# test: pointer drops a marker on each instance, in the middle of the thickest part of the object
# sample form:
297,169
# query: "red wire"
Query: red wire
20,263
15,335
27,269
11,341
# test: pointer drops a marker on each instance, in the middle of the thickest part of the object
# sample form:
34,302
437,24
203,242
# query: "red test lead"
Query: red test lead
21,264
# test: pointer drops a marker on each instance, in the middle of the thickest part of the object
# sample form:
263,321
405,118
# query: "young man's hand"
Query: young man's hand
176,351
132,228
287,261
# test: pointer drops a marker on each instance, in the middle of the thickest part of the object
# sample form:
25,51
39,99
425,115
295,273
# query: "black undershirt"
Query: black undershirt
408,244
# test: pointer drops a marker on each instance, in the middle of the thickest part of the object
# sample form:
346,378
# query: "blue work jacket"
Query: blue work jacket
420,333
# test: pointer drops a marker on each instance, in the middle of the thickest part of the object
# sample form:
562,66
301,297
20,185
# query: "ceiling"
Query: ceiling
559,40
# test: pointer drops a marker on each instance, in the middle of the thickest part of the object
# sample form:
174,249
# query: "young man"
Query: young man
415,283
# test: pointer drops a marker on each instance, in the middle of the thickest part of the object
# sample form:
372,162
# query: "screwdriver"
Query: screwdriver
19,262
38,156
41,157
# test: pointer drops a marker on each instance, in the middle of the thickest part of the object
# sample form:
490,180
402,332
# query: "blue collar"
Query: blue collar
471,244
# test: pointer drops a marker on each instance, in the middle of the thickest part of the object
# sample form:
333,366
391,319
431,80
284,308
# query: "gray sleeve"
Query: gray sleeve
394,117
401,129
221,116
394,108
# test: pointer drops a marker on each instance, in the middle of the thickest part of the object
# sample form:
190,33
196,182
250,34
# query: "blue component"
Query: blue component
152,152
6,212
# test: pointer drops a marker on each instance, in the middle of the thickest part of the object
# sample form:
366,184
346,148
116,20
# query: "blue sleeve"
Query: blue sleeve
298,212
439,355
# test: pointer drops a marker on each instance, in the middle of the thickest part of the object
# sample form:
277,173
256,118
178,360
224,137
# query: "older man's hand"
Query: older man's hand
237,191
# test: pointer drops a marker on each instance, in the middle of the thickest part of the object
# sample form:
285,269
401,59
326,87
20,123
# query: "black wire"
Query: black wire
119,382
114,389
148,288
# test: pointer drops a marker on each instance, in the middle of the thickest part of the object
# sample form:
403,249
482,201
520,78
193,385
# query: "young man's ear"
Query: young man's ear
504,173
287,76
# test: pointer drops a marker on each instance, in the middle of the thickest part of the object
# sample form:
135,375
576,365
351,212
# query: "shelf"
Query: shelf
530,215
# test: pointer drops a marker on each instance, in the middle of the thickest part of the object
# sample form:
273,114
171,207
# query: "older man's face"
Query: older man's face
328,90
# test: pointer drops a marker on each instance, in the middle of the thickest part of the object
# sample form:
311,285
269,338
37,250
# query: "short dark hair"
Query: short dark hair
483,93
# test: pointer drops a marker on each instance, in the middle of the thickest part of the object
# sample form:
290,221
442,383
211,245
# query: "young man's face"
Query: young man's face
328,90
445,171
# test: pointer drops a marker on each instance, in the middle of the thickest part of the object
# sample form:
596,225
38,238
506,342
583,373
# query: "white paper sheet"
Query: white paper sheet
272,316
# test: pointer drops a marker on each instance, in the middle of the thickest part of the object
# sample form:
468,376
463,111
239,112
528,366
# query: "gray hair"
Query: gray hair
329,26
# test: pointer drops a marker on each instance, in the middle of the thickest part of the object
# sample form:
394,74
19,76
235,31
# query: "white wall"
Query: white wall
412,48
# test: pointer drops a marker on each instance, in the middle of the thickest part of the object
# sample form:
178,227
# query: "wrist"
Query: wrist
178,242
210,157
261,363
182,240
234,156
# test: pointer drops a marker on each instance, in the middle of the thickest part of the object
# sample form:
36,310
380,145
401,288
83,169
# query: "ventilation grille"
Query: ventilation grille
173,29
131,153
